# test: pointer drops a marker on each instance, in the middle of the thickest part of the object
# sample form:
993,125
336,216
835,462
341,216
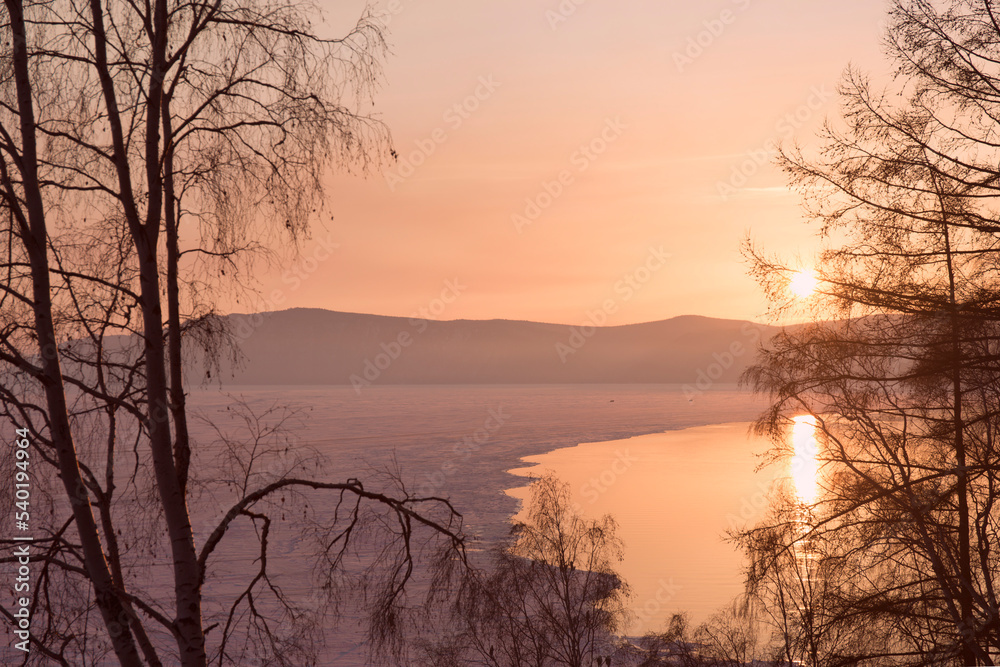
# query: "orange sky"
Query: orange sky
602,115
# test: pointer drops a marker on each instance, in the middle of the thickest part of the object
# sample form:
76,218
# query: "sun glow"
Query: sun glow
804,464
803,283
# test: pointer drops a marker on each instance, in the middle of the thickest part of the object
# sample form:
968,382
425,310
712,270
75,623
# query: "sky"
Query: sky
579,161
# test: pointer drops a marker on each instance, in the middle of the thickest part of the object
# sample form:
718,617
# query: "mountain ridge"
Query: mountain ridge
310,346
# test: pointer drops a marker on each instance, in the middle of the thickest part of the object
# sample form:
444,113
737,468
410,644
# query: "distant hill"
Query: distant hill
312,346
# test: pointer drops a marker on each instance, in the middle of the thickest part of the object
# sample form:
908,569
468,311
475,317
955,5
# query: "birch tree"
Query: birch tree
144,150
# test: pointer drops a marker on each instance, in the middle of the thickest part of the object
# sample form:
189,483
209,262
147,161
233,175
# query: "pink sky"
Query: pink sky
539,85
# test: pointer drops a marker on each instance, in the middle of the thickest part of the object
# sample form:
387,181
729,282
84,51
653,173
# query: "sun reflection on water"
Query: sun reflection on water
804,464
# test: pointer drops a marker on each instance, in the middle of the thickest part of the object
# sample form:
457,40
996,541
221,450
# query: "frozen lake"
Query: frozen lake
428,429
461,441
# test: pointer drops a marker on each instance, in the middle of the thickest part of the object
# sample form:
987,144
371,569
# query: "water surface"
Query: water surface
460,441
674,496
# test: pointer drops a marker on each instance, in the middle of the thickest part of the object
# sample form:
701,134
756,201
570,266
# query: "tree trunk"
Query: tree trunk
34,234
182,443
970,644
144,234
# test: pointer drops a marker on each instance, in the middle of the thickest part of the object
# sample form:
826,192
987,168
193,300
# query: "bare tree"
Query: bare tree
734,636
142,147
549,597
674,646
903,383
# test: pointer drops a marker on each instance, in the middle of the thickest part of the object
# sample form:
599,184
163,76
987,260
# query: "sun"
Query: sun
803,283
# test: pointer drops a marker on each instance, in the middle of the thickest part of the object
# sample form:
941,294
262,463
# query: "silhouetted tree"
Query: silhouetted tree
902,377
143,148
549,597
